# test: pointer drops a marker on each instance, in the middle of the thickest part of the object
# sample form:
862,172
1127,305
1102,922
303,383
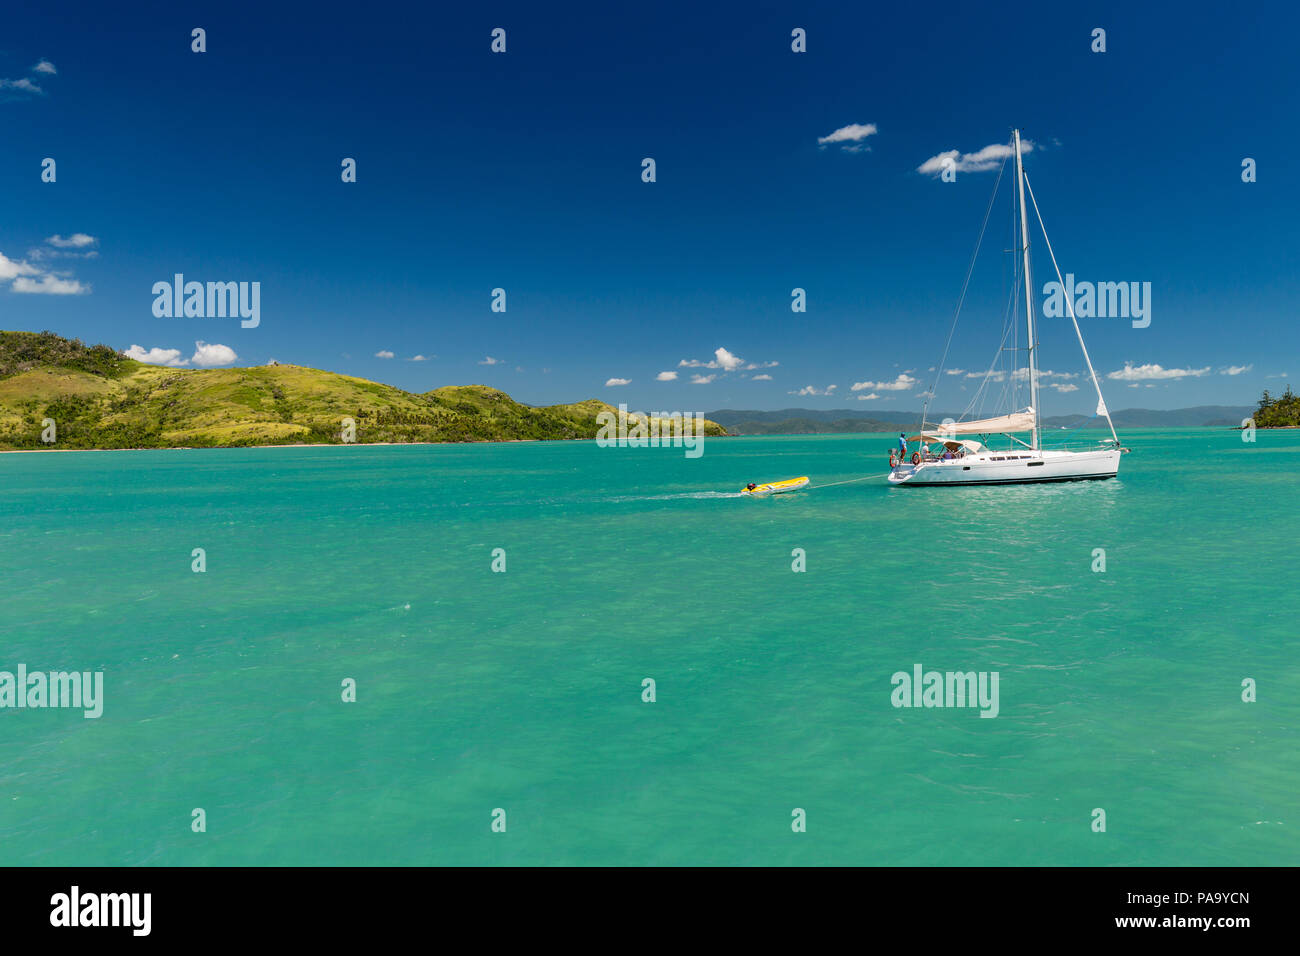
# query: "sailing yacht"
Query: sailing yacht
958,460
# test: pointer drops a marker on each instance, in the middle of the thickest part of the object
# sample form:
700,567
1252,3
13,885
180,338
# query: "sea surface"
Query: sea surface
522,691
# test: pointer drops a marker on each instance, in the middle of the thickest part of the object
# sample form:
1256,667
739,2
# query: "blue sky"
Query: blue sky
522,171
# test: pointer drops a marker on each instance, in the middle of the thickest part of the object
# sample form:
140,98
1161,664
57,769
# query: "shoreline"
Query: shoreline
354,444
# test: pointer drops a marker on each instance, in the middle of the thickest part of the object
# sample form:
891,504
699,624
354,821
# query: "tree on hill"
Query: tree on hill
1278,412
21,351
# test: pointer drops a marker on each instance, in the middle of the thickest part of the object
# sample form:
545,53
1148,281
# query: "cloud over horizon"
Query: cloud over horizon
205,355
900,384
1139,373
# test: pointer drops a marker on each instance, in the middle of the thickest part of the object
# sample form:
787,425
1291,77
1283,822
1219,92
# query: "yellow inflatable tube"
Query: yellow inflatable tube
776,487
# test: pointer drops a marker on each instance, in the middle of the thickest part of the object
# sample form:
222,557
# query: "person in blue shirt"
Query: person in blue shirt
902,445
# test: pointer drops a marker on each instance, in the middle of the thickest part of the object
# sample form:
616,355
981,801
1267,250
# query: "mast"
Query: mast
1029,294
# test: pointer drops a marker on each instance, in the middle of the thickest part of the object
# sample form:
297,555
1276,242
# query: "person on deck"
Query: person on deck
902,445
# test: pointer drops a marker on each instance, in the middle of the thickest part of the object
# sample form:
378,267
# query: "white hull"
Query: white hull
976,463
1011,467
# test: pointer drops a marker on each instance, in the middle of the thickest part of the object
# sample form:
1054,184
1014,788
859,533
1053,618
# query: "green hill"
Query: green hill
1282,411
98,398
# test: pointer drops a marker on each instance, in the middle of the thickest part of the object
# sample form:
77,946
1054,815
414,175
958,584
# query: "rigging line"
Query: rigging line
1069,306
962,298
1008,326
980,390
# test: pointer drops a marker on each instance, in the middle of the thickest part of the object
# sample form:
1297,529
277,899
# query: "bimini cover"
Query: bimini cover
1015,422
952,444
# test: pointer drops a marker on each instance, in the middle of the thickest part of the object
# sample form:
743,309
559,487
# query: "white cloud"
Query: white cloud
853,133
1235,369
721,359
156,356
64,248
617,381
867,398
753,365
421,358
24,85
702,379
207,356
78,240
44,68
902,383
1137,373
384,354
10,269
50,285
990,157
1022,375
666,377
813,390
762,378
40,253
1019,375
1069,387
955,371
727,361
489,360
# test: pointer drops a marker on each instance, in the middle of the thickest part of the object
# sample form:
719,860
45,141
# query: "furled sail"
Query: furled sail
1015,422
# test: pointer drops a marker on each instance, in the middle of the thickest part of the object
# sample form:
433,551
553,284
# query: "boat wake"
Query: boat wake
682,495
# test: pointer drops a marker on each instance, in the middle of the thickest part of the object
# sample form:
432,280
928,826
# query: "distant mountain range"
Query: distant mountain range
814,421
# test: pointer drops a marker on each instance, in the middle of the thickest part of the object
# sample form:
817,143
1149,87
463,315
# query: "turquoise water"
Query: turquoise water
522,690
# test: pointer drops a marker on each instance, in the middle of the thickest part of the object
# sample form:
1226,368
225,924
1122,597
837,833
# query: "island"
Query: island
98,398
1282,411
